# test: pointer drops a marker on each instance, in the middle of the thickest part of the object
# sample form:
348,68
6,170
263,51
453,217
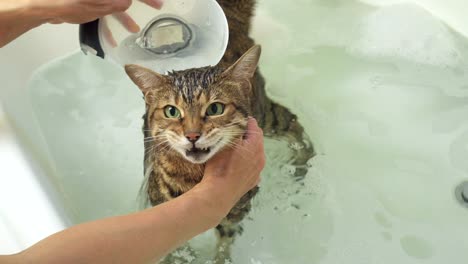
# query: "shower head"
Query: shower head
183,34
165,35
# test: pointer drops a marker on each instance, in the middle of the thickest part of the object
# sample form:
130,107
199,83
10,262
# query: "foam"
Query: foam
408,32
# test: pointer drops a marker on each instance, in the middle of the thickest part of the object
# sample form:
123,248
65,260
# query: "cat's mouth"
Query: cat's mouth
200,155
197,152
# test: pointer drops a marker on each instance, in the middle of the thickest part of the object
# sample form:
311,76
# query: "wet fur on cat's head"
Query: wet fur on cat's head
197,112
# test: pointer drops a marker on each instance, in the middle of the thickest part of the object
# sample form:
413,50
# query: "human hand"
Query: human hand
233,172
82,11
65,12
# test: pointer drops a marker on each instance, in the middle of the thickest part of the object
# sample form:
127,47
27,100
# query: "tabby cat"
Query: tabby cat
192,114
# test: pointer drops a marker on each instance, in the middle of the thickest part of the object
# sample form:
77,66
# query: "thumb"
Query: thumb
253,131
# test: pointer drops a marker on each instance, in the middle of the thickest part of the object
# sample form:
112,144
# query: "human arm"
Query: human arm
19,16
146,236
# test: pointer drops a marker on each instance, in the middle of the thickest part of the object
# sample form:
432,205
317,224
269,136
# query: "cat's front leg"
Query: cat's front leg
280,123
227,233
303,149
231,227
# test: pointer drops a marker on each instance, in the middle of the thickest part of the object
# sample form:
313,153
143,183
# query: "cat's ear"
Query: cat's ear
245,67
146,79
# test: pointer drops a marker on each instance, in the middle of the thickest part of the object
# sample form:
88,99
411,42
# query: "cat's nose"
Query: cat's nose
193,136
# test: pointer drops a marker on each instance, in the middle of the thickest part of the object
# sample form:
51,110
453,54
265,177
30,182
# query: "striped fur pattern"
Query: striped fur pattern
236,83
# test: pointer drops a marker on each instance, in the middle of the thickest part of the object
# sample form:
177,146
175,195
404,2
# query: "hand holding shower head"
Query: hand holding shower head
183,34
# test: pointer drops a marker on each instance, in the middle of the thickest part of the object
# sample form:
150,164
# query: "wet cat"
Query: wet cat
192,114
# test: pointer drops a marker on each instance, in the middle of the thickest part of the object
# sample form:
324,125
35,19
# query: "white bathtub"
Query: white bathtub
33,205
30,207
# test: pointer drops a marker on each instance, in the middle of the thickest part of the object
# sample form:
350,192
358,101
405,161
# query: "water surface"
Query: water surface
382,92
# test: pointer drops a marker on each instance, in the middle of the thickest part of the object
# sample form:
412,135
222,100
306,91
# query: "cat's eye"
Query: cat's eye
215,109
171,112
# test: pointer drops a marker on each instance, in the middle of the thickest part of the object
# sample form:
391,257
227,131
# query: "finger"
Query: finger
108,35
154,3
254,133
221,156
120,6
127,21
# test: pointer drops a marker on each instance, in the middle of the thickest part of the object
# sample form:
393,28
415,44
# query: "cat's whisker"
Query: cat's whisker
234,134
162,143
235,123
165,149
157,137
151,139
235,127
154,147
148,151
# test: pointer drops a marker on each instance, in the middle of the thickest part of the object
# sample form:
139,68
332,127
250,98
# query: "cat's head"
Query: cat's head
198,112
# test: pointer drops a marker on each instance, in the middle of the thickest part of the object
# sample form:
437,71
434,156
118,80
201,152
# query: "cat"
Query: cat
193,114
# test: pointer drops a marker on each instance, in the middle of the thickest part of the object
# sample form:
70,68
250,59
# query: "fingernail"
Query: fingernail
134,28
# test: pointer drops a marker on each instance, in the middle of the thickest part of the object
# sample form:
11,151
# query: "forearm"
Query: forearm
19,16
138,238
147,236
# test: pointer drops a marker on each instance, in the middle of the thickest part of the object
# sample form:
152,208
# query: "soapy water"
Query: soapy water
382,92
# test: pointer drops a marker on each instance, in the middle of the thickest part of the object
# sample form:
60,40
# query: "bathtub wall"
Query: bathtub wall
29,207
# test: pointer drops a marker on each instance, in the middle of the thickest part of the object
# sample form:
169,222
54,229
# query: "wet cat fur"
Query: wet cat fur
173,163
